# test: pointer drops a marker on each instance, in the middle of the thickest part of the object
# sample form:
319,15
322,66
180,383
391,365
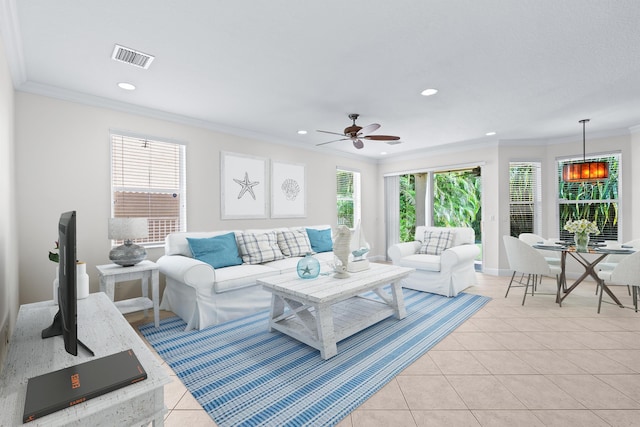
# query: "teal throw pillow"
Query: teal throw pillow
320,240
218,251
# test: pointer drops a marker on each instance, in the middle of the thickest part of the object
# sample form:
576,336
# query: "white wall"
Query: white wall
62,163
9,241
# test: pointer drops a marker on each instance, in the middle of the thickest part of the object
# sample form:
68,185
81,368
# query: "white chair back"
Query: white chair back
627,272
523,258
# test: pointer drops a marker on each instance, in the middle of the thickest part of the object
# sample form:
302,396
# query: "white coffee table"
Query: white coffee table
320,312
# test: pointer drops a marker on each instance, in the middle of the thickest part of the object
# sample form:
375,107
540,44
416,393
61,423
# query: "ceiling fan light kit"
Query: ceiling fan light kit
585,171
357,133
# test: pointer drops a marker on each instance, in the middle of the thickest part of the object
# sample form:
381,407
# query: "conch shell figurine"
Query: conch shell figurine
341,250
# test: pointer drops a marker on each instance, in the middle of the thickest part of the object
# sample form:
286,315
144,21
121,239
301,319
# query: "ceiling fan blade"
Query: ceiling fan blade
368,129
382,137
332,133
335,140
358,144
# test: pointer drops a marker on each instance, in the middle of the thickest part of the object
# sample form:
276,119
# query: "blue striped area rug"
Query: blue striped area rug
243,375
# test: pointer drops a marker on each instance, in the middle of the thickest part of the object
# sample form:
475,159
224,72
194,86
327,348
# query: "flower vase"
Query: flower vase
55,286
582,241
308,267
82,282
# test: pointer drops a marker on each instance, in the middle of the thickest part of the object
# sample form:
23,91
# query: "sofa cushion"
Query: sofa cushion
240,276
294,242
320,239
421,262
436,241
219,251
256,248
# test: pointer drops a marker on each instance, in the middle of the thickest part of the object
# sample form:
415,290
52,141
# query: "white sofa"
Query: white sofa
446,273
203,295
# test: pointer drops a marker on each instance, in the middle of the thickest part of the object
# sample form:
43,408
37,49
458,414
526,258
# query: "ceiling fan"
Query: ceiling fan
356,133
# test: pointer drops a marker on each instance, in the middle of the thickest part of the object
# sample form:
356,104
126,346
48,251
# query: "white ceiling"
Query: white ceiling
526,69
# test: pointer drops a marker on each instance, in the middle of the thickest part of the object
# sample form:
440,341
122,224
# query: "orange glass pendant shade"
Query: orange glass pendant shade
585,171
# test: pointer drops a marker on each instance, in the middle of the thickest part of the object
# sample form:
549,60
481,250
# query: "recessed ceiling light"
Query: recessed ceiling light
490,133
383,153
126,86
429,92
302,132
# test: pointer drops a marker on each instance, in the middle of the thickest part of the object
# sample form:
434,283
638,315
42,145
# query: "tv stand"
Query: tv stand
55,330
100,322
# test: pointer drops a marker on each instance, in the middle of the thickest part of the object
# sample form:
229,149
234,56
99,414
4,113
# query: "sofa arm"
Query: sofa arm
458,255
400,250
189,271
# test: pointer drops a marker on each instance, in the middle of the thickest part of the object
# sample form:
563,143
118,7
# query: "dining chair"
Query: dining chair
625,273
525,259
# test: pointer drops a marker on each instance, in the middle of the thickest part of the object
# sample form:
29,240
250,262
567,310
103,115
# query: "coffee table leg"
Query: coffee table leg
398,300
326,333
277,309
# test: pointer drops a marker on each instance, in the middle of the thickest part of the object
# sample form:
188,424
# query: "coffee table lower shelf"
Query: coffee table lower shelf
348,317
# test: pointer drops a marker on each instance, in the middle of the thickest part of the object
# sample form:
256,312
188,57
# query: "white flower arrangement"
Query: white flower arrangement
582,226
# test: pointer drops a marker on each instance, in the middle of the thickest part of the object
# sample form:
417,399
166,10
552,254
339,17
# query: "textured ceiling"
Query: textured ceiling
526,69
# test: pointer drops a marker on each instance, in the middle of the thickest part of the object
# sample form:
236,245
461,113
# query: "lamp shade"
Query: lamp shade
128,228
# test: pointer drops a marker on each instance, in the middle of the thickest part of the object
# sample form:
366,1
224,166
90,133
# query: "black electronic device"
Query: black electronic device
65,321
76,384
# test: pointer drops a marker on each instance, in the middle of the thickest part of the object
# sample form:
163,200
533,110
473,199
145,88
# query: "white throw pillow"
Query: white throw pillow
256,248
434,242
294,242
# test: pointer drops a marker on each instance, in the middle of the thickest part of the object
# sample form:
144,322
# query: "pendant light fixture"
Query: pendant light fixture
585,171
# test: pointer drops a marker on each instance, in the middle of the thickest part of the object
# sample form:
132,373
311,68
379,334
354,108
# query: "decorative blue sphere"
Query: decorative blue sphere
308,267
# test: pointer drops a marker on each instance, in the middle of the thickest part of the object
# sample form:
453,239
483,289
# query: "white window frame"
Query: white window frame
536,193
356,196
114,137
618,201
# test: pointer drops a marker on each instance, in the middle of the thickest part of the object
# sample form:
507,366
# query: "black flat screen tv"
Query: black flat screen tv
64,322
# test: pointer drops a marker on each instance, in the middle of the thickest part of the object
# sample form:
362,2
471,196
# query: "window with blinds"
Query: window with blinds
594,201
348,197
148,181
525,194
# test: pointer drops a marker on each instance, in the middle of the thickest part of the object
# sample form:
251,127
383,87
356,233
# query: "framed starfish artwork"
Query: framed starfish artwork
288,190
243,186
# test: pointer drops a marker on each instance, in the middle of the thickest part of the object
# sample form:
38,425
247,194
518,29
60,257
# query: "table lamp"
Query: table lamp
126,229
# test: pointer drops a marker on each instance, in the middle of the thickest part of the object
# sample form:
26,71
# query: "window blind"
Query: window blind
525,194
148,181
594,201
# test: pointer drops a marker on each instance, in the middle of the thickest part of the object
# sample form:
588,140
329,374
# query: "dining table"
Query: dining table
600,250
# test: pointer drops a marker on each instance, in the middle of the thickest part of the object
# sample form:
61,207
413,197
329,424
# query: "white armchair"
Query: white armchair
445,273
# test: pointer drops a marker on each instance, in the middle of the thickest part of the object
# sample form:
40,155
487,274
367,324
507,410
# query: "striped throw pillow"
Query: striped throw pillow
434,242
294,243
258,248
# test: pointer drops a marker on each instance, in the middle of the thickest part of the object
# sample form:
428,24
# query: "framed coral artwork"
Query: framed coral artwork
288,190
243,186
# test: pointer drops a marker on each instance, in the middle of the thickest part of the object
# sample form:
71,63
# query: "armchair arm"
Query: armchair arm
458,255
400,250
189,271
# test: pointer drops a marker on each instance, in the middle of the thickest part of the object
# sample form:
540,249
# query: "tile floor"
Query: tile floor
509,365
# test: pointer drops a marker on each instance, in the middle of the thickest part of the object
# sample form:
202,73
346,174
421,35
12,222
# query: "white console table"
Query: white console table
110,274
105,331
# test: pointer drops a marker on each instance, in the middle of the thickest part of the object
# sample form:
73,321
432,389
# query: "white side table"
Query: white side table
110,274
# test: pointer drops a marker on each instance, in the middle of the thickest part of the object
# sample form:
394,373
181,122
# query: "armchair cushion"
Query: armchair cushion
219,251
256,248
435,241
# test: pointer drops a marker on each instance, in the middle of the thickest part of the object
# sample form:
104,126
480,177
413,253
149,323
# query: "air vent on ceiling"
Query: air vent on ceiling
131,56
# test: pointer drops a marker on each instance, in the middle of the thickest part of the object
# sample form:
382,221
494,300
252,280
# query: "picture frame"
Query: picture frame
288,190
243,186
